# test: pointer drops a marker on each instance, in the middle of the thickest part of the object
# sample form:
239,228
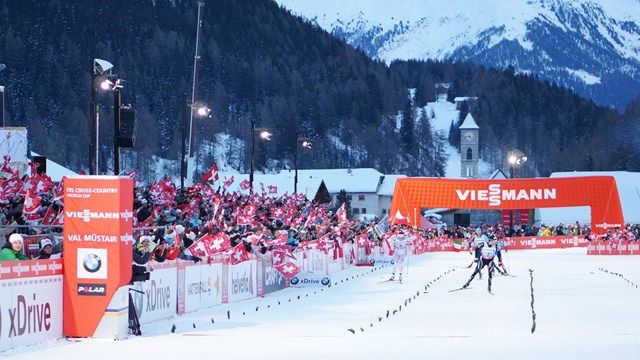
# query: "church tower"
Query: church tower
469,134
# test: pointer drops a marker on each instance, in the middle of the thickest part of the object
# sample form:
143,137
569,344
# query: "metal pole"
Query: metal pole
511,210
93,146
183,130
295,164
195,74
253,145
116,131
2,105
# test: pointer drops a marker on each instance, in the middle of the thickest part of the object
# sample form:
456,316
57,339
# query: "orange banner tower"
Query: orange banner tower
598,192
97,251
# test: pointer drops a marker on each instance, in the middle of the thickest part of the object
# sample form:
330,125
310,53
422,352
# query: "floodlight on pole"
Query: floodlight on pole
306,144
516,158
99,67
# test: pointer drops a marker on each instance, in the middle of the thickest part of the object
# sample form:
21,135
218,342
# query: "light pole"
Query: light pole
99,67
516,158
200,110
305,143
264,135
2,66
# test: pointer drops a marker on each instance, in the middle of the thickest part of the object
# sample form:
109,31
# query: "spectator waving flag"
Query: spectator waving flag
211,175
227,182
273,189
237,254
288,269
342,213
31,202
245,184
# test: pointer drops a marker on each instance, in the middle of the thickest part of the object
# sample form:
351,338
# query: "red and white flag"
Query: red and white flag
227,182
399,219
273,189
342,213
237,254
288,269
217,243
245,184
31,202
211,175
247,214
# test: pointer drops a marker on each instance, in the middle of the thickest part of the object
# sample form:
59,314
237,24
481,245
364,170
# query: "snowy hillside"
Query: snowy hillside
590,46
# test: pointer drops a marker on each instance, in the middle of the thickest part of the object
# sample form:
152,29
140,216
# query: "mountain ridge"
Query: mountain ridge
590,47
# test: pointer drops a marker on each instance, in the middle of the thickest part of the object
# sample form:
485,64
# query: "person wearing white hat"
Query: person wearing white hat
12,250
46,248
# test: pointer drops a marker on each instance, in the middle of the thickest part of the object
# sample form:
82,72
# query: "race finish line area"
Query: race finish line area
585,307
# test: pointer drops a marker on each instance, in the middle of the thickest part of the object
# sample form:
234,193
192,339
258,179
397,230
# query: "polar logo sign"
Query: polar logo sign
92,289
158,296
242,284
92,263
28,318
495,194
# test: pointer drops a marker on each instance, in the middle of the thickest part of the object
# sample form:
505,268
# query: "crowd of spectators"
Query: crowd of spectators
168,221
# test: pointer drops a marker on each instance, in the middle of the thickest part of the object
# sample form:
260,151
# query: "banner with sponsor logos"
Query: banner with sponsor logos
602,247
97,247
314,269
269,279
598,192
202,286
30,302
242,281
158,296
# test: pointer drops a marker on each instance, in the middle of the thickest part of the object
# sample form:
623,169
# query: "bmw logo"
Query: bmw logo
325,281
92,263
294,280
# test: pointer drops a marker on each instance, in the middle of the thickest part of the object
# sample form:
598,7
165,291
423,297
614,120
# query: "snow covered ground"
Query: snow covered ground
582,312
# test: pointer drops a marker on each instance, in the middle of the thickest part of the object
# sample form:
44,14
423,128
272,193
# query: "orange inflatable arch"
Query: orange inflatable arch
598,192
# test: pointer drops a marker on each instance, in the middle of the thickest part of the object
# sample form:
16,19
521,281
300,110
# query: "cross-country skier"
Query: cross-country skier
400,243
477,243
488,252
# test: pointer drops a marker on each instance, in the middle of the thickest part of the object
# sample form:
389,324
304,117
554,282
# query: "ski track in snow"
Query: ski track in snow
582,312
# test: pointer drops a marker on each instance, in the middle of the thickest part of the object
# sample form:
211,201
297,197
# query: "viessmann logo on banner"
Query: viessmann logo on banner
87,215
600,193
494,194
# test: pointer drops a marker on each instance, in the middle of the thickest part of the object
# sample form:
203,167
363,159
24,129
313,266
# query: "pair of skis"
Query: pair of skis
467,288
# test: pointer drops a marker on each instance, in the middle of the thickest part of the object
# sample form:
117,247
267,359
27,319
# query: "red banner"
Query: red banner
598,192
97,248
602,247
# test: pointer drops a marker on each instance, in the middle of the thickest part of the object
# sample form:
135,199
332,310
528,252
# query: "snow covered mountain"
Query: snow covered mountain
591,46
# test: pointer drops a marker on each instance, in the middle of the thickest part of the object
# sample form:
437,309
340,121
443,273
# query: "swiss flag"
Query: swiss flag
227,182
342,213
245,184
31,203
273,189
211,175
198,248
281,254
247,214
216,243
288,269
237,254
399,219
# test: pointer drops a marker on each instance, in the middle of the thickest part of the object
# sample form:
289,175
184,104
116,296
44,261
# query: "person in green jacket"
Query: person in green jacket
12,250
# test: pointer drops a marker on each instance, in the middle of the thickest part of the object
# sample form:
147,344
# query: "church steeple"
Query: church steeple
469,141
